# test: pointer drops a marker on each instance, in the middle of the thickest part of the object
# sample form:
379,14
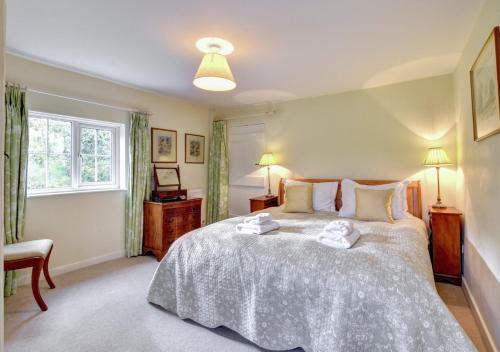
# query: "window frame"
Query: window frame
78,158
117,155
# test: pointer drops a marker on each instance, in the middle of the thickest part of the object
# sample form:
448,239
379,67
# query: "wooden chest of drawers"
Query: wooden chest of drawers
166,222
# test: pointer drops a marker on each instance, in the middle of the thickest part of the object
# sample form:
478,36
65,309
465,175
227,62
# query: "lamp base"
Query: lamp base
439,206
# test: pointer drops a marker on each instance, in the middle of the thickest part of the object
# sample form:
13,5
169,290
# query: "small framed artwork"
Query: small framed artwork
195,149
163,146
167,176
485,82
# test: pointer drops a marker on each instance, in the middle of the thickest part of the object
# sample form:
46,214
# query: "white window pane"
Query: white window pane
59,171
87,141
87,169
104,169
96,155
104,139
36,171
58,162
59,137
37,135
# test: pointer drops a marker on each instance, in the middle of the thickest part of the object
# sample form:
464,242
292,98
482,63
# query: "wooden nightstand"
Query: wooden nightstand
263,202
446,244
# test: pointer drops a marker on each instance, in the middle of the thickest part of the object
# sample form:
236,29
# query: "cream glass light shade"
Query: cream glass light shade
267,159
214,74
436,157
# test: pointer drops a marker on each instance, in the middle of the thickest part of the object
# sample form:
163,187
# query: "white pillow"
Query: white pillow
399,204
324,194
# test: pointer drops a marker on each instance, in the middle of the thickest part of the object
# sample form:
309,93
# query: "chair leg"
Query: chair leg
35,276
46,270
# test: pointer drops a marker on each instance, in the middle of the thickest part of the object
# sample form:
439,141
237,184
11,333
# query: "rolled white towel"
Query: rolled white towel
258,219
342,242
254,229
339,227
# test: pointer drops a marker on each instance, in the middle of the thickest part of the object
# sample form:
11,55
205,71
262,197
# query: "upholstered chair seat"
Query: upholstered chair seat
22,250
34,254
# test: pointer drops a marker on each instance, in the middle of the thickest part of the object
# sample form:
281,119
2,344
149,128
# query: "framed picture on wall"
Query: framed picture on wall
194,149
163,146
485,82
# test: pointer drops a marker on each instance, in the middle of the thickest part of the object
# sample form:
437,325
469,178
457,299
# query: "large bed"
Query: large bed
285,290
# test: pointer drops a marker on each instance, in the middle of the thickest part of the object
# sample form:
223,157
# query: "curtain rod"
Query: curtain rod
115,107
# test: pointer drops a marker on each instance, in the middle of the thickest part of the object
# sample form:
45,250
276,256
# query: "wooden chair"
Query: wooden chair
34,254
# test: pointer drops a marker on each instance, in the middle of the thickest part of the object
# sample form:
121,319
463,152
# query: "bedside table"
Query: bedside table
263,202
446,244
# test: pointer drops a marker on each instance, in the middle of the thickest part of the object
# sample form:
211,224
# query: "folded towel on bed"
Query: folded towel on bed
336,241
255,229
258,219
339,227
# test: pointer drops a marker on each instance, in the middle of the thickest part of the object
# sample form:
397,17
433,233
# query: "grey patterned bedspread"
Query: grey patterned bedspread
284,290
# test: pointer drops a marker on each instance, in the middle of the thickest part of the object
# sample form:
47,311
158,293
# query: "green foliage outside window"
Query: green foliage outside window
50,155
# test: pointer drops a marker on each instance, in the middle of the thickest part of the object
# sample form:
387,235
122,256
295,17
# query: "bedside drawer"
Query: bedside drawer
446,245
260,203
271,203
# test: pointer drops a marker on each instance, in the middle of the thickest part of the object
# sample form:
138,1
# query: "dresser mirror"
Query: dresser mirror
167,177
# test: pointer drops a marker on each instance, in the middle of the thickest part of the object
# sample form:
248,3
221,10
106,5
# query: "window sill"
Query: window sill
73,192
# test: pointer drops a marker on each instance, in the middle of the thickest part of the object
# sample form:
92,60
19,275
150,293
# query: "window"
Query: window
96,155
68,154
246,145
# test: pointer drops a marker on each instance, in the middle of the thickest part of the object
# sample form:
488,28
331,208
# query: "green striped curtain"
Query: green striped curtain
15,172
138,183
218,174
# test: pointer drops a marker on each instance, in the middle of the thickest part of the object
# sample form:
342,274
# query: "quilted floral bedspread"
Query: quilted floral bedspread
284,290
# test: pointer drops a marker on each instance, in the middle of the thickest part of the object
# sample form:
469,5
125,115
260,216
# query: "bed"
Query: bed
285,290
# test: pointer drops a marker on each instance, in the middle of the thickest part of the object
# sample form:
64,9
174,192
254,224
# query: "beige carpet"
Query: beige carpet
455,299
103,308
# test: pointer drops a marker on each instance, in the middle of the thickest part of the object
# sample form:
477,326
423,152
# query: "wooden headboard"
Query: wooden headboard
413,192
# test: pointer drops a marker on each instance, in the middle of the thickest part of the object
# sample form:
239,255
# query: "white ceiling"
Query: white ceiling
284,49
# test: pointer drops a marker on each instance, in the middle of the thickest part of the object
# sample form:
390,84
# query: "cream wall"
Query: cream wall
90,227
379,133
478,185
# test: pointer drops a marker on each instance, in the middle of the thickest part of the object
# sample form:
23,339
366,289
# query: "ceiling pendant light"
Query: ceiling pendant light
214,73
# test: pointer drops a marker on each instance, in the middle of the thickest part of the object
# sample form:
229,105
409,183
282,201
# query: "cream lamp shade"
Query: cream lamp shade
436,157
214,73
267,159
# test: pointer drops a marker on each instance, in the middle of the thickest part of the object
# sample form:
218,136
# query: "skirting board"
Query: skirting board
483,329
63,269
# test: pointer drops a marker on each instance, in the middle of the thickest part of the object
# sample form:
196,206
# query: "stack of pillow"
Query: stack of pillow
387,202
304,197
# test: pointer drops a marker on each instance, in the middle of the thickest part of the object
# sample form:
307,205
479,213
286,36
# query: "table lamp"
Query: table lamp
436,157
267,159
